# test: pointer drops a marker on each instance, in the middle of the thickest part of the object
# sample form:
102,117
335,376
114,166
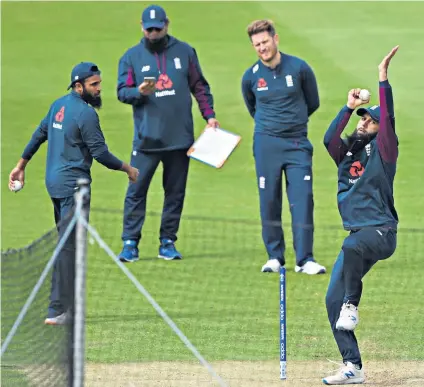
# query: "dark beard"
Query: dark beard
156,45
95,101
357,141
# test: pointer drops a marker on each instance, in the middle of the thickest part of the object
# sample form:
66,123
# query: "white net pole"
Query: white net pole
82,197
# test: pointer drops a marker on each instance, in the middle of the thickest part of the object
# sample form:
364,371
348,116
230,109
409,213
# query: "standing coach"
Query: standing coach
163,125
280,92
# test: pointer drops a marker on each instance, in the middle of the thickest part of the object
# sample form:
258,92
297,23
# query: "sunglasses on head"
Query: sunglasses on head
151,29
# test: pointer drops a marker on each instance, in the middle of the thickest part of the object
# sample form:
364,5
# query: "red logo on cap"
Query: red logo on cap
60,115
164,82
356,169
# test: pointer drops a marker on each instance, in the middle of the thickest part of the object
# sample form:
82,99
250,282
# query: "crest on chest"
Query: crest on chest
355,164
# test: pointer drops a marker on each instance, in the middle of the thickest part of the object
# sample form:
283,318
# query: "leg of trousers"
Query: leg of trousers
340,281
136,196
175,172
269,164
299,193
63,275
298,173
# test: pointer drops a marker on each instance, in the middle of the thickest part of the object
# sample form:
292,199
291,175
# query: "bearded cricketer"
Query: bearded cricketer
366,163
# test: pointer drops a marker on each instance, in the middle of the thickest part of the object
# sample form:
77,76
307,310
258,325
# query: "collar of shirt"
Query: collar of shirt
275,70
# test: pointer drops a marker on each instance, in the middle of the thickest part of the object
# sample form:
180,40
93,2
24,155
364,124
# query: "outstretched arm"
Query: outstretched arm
387,141
92,136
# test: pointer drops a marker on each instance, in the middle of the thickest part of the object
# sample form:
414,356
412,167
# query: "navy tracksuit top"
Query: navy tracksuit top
72,130
281,99
365,179
163,120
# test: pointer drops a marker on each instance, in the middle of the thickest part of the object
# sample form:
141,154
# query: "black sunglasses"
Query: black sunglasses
151,29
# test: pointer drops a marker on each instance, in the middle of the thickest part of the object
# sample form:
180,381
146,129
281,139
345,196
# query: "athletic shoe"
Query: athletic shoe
348,374
62,319
272,266
130,252
167,250
349,318
310,267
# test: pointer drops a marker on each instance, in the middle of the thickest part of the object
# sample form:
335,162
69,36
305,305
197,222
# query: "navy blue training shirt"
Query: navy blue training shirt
365,179
164,120
74,136
281,99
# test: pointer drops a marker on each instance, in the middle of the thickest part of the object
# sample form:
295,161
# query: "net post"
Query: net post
81,200
283,325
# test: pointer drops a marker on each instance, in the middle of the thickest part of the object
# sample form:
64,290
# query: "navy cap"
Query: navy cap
373,111
83,71
154,16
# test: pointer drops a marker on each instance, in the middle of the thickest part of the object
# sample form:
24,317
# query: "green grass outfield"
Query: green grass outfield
217,295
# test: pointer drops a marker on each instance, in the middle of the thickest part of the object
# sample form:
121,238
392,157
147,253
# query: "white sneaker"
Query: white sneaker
272,266
62,319
310,267
347,374
348,319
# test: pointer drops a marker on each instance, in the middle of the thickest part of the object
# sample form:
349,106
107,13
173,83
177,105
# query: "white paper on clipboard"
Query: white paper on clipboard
214,146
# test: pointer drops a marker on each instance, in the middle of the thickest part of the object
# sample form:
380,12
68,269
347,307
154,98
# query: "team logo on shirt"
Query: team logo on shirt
261,85
356,170
164,83
60,115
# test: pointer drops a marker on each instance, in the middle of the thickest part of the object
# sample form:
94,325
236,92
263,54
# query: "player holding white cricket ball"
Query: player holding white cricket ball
15,185
364,95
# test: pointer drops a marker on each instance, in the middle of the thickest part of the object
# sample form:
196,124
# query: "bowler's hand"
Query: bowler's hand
16,174
384,65
212,123
353,100
147,88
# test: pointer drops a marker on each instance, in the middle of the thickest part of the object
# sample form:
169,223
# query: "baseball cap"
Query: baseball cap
373,111
154,16
83,71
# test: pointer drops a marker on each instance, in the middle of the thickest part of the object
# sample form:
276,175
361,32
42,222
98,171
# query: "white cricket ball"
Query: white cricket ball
17,186
364,95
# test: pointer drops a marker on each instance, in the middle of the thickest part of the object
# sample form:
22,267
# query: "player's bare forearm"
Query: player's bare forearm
22,163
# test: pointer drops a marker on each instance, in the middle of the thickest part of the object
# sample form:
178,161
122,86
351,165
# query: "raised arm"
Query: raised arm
387,141
248,96
310,88
332,138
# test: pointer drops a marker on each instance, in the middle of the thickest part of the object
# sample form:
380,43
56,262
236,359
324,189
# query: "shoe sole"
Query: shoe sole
122,259
268,270
53,323
170,258
344,329
322,271
361,381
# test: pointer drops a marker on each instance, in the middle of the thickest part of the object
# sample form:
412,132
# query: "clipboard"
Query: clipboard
214,146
